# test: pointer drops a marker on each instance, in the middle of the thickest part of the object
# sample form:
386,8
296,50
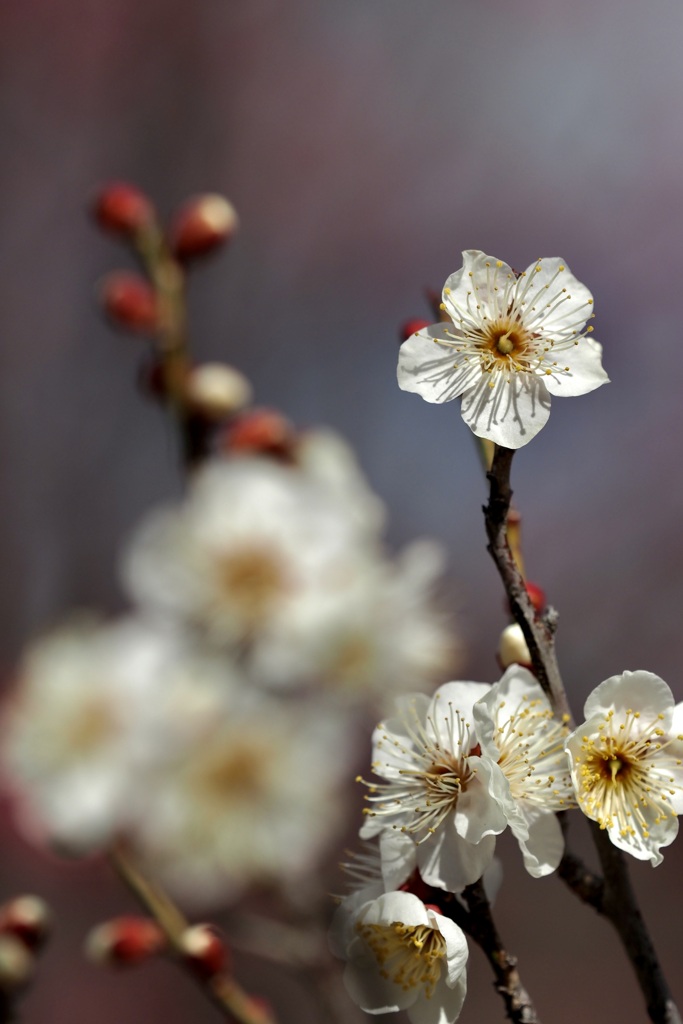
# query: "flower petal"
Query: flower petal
479,288
642,690
430,366
553,301
543,850
584,371
509,413
449,862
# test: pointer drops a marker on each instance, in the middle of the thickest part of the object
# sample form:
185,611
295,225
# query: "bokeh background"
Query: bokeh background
365,143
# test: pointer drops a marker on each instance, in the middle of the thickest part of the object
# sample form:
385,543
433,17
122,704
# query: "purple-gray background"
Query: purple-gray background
364,143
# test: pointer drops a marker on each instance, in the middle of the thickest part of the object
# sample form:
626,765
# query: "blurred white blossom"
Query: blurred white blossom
283,564
514,341
96,708
626,762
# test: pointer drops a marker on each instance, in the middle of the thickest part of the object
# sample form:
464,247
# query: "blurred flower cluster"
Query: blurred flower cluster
215,726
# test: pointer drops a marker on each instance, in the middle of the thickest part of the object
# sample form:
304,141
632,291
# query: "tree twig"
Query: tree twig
612,896
478,922
225,993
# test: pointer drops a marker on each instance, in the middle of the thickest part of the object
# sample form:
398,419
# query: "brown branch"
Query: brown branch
539,630
225,993
478,922
612,896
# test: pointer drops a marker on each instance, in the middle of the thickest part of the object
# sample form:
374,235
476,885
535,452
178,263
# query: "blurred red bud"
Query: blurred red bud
28,918
124,941
536,596
201,225
411,327
204,949
264,431
130,302
123,208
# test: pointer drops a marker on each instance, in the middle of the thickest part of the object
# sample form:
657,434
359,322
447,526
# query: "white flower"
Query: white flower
438,789
516,728
251,542
401,955
380,634
513,342
96,709
254,800
626,763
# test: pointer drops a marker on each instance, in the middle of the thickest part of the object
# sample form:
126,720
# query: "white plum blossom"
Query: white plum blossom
437,788
401,955
96,709
626,762
254,800
511,341
380,634
282,565
252,540
517,729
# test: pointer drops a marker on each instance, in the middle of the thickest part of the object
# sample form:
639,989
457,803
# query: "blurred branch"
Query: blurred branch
226,994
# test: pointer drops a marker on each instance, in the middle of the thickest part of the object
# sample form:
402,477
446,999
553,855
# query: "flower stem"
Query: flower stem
612,896
225,993
478,922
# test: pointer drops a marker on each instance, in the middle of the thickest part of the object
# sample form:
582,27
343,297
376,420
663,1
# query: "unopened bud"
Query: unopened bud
536,596
411,327
16,963
130,302
123,208
204,949
28,918
512,647
124,941
216,391
264,431
201,225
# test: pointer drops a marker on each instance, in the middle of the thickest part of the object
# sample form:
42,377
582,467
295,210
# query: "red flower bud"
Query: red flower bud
536,596
123,208
130,302
260,431
411,327
124,941
204,949
201,225
28,918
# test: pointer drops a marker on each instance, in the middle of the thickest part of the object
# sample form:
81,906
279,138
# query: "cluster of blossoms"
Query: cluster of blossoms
213,727
454,772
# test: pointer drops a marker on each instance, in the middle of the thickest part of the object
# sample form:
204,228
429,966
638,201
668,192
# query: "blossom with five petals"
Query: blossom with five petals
511,341
627,763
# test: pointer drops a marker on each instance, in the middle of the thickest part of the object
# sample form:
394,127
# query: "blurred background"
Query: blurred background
365,143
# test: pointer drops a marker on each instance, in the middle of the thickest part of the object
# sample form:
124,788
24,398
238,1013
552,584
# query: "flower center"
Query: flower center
425,785
253,579
409,955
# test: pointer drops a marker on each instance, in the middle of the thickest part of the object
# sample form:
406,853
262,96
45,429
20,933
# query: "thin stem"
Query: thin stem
226,994
612,896
477,921
168,279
